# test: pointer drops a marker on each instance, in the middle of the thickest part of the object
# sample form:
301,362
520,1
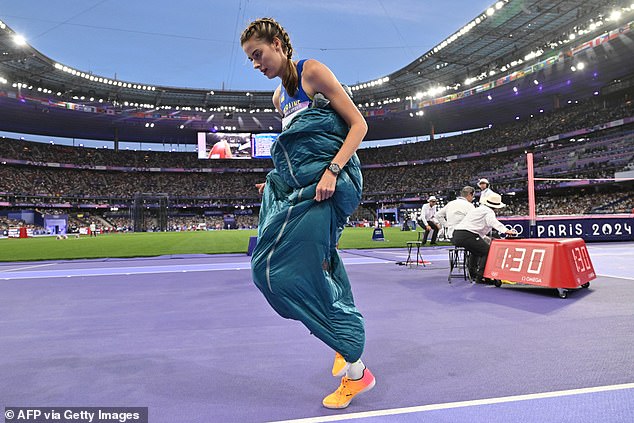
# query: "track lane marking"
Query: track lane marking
459,404
27,267
145,270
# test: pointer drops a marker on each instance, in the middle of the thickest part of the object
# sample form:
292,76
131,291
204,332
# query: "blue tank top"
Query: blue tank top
291,106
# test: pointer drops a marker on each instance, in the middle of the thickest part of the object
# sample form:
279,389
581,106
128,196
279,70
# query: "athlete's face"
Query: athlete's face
266,57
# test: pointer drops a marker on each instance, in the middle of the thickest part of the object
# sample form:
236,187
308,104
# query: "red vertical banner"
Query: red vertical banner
532,214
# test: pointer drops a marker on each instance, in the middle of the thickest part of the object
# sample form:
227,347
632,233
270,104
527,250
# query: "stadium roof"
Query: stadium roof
500,41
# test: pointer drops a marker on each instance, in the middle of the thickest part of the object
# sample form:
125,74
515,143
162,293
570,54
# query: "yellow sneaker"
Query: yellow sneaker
340,366
349,389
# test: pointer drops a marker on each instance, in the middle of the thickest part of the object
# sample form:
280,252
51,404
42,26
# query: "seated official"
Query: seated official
455,210
471,233
428,220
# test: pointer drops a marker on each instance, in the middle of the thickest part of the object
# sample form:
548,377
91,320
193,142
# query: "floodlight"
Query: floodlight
490,11
615,15
19,40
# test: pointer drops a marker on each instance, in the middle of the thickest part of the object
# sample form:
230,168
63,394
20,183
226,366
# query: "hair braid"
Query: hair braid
268,29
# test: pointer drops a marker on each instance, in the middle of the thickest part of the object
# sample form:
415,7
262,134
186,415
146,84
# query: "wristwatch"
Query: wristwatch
334,168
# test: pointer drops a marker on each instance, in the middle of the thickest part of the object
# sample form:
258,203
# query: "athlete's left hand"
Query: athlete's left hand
326,186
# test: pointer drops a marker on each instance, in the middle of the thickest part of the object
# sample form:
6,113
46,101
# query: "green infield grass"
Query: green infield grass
146,244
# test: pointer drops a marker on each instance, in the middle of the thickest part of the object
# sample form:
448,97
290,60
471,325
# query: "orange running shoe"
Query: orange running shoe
349,389
340,366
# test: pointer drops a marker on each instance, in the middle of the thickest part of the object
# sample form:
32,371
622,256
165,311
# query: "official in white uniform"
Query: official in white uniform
471,231
455,210
485,188
429,221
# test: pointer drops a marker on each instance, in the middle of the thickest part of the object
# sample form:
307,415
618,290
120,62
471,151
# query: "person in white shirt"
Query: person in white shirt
485,188
471,231
455,210
429,221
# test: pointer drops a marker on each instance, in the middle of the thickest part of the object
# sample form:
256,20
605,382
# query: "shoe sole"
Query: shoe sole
345,405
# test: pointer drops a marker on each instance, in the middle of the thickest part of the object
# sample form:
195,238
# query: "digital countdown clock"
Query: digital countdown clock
554,263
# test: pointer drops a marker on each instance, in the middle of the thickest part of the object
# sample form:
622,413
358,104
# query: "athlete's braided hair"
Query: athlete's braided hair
267,29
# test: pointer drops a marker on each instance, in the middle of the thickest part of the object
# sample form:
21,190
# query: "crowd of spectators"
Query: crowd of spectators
572,202
594,159
574,117
508,170
120,224
6,223
65,183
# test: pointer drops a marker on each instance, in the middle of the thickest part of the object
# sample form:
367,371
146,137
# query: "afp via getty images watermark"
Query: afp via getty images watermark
76,414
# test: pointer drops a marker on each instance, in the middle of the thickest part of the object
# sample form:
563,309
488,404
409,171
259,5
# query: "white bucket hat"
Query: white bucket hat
432,198
483,180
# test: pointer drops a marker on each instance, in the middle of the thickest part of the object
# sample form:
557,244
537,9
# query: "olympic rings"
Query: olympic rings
517,228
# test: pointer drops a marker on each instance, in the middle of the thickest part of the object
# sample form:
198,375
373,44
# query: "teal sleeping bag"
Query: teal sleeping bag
295,263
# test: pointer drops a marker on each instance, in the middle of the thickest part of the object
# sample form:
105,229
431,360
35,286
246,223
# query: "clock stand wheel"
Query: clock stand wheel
585,285
563,293
497,283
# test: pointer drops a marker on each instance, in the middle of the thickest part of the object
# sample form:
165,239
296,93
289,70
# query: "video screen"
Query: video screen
224,145
261,145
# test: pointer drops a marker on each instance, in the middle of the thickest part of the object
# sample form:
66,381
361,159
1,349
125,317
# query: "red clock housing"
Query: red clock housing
553,263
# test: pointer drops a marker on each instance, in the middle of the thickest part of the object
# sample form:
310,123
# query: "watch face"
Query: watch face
334,168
